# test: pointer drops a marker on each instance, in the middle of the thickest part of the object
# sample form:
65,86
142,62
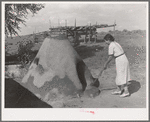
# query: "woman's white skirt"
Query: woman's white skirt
122,70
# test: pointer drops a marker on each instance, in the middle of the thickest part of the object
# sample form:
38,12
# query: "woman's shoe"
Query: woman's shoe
125,94
117,92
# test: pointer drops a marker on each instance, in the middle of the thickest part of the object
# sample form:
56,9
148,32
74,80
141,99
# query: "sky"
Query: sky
128,15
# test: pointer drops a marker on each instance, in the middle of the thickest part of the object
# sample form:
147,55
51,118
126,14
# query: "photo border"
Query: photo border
71,114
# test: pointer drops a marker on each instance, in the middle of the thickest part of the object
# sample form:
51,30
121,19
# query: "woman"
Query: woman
122,66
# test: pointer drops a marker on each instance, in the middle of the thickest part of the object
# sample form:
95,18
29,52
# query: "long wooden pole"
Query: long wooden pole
90,33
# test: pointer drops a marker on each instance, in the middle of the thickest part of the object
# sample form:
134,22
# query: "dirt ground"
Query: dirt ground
95,55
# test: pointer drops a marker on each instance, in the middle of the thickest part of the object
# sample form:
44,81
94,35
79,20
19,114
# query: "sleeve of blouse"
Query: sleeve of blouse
111,49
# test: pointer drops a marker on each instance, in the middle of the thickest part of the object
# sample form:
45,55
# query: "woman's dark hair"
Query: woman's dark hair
109,37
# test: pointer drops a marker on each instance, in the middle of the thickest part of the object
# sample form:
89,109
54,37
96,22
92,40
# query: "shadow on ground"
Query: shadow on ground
88,51
16,96
134,86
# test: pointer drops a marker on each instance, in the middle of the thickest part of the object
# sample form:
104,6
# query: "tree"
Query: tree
16,14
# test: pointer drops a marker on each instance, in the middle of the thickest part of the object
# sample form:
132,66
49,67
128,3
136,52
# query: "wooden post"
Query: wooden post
90,37
67,33
75,36
95,37
85,38
66,28
90,34
85,35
